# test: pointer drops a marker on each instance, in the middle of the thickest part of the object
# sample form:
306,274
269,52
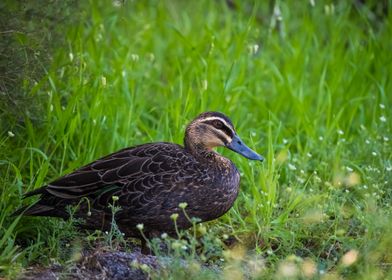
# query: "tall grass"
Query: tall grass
314,98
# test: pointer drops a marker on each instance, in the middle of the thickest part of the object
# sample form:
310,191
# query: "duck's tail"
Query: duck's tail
39,208
35,210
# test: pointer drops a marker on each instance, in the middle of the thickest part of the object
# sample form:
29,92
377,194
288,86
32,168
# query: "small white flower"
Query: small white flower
116,3
340,132
309,155
51,107
365,187
135,57
321,138
71,56
383,119
164,235
386,139
349,169
253,134
367,141
292,166
285,141
151,56
382,106
312,3
103,81
253,49
389,168
140,226
98,37
374,153
11,134
329,9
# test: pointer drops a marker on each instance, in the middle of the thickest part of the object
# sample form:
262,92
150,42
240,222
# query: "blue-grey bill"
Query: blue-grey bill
238,146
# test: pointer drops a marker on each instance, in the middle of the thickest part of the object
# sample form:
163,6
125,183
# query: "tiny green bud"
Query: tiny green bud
174,216
135,264
202,229
176,245
195,220
144,267
115,197
183,205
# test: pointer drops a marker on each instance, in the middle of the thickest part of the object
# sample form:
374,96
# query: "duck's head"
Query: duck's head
214,129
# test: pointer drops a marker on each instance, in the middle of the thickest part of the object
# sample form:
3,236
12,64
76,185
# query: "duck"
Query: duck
151,182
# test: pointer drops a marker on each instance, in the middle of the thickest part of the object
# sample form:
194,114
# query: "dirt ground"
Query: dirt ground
99,265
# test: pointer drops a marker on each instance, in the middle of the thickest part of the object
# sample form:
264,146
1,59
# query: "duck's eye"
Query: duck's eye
218,124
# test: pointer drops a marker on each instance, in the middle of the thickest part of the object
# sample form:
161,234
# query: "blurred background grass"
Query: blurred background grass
308,86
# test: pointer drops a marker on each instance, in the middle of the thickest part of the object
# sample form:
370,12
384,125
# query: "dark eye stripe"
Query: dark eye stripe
224,128
221,137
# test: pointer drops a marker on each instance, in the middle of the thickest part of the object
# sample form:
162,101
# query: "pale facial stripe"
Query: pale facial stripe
222,135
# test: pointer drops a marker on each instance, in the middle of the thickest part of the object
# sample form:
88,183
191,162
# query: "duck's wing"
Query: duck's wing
127,174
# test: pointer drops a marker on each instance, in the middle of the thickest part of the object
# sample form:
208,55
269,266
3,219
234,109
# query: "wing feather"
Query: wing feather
138,175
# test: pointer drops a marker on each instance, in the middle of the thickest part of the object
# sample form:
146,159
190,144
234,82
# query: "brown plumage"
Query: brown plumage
150,181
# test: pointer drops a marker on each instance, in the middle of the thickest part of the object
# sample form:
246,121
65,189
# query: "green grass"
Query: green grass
314,99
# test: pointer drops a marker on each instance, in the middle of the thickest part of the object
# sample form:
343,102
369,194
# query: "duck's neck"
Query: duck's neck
201,152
